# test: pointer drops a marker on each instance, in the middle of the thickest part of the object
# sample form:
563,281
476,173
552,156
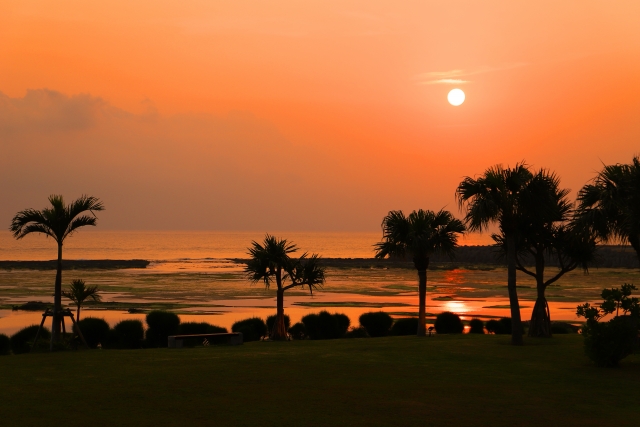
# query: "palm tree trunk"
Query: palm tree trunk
279,332
57,299
516,321
422,302
78,313
540,325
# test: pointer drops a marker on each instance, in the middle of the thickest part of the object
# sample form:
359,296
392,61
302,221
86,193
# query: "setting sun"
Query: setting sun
456,97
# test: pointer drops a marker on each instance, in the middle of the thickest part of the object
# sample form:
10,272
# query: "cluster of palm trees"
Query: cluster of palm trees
533,215
534,218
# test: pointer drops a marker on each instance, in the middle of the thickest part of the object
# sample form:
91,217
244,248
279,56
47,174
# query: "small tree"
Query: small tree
271,262
78,293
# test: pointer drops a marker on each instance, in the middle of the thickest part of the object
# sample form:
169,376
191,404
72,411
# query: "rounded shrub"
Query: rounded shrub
607,343
127,334
298,331
408,326
476,326
448,323
499,327
324,325
562,328
161,325
22,340
271,320
343,323
376,323
5,345
252,329
95,331
197,328
357,333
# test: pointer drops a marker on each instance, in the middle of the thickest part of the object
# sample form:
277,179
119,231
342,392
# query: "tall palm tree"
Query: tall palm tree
503,196
610,204
58,222
78,293
271,261
419,235
548,234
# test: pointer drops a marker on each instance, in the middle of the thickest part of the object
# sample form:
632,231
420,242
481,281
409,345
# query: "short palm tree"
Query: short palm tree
78,293
271,261
419,235
503,196
58,222
610,204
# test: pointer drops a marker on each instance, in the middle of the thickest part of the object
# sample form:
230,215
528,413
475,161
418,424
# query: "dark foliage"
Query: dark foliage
22,340
253,329
476,326
126,334
499,327
298,331
448,323
325,326
33,306
95,331
5,345
271,320
408,326
357,333
377,323
563,328
196,328
161,325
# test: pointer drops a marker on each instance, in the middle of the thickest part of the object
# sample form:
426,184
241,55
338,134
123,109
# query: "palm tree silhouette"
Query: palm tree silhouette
610,205
419,235
78,293
271,261
58,222
549,233
502,196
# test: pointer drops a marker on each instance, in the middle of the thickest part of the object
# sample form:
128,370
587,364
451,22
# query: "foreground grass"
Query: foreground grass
401,381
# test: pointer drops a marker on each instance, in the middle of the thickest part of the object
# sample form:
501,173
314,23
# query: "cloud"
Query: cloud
453,76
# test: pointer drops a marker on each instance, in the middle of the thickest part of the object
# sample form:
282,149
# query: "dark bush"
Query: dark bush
5,345
126,334
196,328
563,328
408,326
22,340
343,323
324,325
161,325
448,323
357,333
499,327
377,323
252,329
493,326
94,331
607,343
271,320
298,331
476,326
505,325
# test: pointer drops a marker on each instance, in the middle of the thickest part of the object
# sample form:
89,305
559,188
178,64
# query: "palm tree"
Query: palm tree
58,222
610,205
504,196
419,235
545,234
78,292
271,261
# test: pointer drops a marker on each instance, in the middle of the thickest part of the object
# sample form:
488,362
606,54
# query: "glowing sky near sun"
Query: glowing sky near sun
315,115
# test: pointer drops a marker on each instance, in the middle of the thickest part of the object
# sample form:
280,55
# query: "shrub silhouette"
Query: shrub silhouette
562,328
476,326
343,323
607,343
357,333
22,340
126,334
298,331
196,328
252,329
161,325
94,331
271,320
376,323
407,326
5,345
499,327
325,326
448,323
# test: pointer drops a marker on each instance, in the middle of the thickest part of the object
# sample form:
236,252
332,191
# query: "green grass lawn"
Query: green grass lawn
401,381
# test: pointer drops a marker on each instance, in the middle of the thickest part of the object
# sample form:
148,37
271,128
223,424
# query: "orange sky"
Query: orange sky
314,115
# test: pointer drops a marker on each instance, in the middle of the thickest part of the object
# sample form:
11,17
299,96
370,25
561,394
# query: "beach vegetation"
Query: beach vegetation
448,323
406,326
325,325
79,292
126,334
476,326
161,324
5,345
376,323
359,332
298,331
253,329
95,331
418,236
22,341
271,321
